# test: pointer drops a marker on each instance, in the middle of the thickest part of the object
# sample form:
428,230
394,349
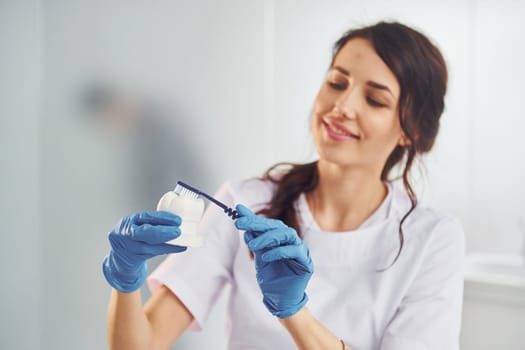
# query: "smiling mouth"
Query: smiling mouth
336,130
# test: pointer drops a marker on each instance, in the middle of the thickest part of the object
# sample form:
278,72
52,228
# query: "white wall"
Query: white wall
236,80
20,249
497,153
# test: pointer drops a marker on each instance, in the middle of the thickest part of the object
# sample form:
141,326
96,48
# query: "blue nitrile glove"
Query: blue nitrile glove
282,262
135,239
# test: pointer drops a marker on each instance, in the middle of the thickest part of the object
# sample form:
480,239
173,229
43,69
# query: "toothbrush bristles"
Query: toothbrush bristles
186,192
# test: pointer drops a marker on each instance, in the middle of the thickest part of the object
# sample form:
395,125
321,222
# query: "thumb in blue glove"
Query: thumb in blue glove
135,239
282,262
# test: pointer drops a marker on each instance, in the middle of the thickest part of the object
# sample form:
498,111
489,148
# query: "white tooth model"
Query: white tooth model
190,209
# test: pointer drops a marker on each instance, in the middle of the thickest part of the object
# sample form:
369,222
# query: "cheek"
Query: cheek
324,101
314,121
377,124
317,108
318,111
386,133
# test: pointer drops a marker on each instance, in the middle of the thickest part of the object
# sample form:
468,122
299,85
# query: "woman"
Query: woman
339,254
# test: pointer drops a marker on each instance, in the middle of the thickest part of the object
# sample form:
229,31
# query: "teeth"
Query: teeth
339,131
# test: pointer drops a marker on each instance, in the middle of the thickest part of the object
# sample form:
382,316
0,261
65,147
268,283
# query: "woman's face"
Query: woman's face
355,119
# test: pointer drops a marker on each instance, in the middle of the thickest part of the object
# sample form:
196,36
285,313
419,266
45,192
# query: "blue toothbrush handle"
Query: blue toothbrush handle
230,211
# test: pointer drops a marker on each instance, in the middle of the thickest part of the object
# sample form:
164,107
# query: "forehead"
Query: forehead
359,58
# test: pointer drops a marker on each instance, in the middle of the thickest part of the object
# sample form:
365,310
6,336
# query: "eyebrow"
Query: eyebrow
370,83
342,70
375,85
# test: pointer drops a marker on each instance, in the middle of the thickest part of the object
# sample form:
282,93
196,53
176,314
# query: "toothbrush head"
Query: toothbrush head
185,190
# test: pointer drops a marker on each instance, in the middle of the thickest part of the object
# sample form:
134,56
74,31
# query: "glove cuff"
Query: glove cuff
123,281
274,310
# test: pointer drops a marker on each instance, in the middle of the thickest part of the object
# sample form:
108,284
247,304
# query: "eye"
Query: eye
337,86
374,103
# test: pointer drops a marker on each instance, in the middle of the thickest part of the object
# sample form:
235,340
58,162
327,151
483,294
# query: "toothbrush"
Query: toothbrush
188,191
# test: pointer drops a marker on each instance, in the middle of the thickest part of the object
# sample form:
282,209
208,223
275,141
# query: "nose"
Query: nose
347,103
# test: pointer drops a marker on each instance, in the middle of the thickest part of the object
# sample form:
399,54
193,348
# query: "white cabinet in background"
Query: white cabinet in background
494,303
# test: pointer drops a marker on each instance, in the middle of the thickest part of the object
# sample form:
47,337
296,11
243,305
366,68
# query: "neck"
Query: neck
344,198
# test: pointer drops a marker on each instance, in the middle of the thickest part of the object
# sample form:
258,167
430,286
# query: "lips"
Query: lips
338,131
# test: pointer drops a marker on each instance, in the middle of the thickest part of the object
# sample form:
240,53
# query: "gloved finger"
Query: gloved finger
124,246
246,213
258,223
159,217
248,236
154,234
243,210
117,241
150,250
275,238
297,253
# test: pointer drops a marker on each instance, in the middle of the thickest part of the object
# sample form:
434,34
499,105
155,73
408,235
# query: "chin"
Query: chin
340,160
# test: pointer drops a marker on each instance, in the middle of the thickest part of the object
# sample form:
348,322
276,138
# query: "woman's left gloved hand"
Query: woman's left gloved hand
282,262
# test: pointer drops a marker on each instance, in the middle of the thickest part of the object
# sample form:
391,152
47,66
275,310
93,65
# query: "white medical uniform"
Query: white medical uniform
414,305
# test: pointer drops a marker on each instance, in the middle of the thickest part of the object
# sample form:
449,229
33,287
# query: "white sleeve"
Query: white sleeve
429,316
198,275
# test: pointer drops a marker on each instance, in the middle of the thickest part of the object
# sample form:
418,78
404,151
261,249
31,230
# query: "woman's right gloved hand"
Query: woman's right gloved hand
135,239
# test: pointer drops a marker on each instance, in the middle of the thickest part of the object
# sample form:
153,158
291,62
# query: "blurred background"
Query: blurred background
104,105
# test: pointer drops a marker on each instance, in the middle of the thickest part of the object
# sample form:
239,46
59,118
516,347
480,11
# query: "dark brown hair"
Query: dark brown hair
422,75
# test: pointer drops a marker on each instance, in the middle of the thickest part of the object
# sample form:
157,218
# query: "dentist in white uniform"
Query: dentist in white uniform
326,255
